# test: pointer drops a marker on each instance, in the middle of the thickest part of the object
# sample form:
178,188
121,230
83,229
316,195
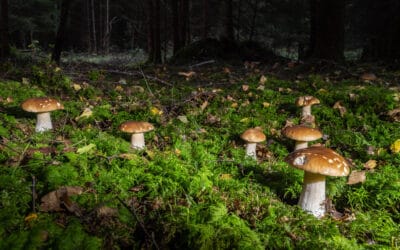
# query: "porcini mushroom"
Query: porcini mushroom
306,102
302,135
42,106
252,136
317,162
137,129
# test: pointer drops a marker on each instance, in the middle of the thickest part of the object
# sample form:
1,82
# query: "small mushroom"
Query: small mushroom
306,102
317,162
137,129
252,136
42,106
302,135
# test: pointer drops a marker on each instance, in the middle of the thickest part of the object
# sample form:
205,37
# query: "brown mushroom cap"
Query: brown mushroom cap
306,101
136,127
302,133
253,135
319,160
41,104
368,77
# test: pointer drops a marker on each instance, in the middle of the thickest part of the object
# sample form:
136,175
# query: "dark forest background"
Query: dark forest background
299,29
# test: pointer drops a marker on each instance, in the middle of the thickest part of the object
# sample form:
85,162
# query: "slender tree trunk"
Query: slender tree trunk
205,19
329,29
107,25
238,19
175,26
5,46
61,31
94,27
183,23
228,22
150,31
157,31
253,21
89,29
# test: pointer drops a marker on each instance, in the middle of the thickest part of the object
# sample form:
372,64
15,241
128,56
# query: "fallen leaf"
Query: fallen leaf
263,79
394,114
76,87
368,77
105,211
371,164
266,104
183,119
87,112
155,111
31,217
225,177
86,149
119,88
226,70
356,177
342,110
245,87
204,105
53,201
395,147
188,75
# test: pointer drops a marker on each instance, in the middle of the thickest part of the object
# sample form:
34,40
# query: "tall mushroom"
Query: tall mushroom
317,162
137,129
42,106
252,136
302,135
306,102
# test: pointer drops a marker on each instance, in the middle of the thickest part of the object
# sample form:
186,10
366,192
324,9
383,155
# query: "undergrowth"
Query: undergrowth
193,186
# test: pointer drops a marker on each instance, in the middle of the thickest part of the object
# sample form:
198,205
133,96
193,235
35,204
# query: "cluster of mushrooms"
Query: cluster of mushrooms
317,161
42,106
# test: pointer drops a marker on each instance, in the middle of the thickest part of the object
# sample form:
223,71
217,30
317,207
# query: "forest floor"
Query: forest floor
81,185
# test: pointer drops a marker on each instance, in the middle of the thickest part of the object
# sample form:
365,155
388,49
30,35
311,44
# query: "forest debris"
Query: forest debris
394,114
371,164
263,79
57,199
367,77
86,149
395,147
204,105
188,75
356,177
245,87
342,110
105,211
87,112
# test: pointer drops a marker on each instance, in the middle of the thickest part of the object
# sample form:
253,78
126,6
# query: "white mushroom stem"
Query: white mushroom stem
300,145
137,141
251,150
312,198
306,111
43,122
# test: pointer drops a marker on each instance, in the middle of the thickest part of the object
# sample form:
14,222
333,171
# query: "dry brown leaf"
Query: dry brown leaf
342,110
356,177
188,75
245,87
204,105
368,77
394,114
263,79
105,211
371,164
226,70
53,201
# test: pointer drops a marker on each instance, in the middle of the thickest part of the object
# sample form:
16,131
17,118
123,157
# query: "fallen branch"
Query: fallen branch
138,73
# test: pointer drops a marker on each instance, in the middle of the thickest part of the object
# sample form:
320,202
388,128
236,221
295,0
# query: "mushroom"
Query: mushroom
42,106
137,129
367,77
306,102
252,136
302,135
317,162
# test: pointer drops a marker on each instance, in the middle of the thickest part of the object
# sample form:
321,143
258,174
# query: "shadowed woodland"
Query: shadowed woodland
199,124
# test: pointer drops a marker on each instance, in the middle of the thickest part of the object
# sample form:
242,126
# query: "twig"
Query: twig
202,63
145,80
33,194
139,73
133,211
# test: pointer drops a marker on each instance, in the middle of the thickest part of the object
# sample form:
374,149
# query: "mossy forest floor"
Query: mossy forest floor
81,186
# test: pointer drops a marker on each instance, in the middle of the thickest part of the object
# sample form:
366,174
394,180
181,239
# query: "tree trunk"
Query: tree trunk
253,21
150,31
228,22
327,29
175,26
157,31
61,31
205,19
94,27
183,23
5,46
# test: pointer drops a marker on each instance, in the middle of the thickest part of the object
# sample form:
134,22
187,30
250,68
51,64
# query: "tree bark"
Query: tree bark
94,27
205,19
175,26
61,31
228,22
327,29
5,46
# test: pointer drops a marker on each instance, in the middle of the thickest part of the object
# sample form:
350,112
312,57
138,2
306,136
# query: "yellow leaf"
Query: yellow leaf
371,164
86,149
119,88
204,105
31,217
263,79
234,105
266,104
87,112
155,111
178,152
395,147
244,120
76,87
225,176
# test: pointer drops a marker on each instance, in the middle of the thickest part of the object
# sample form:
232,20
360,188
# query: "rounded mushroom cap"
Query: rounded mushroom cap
319,160
302,133
306,101
41,104
253,135
136,127
368,77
